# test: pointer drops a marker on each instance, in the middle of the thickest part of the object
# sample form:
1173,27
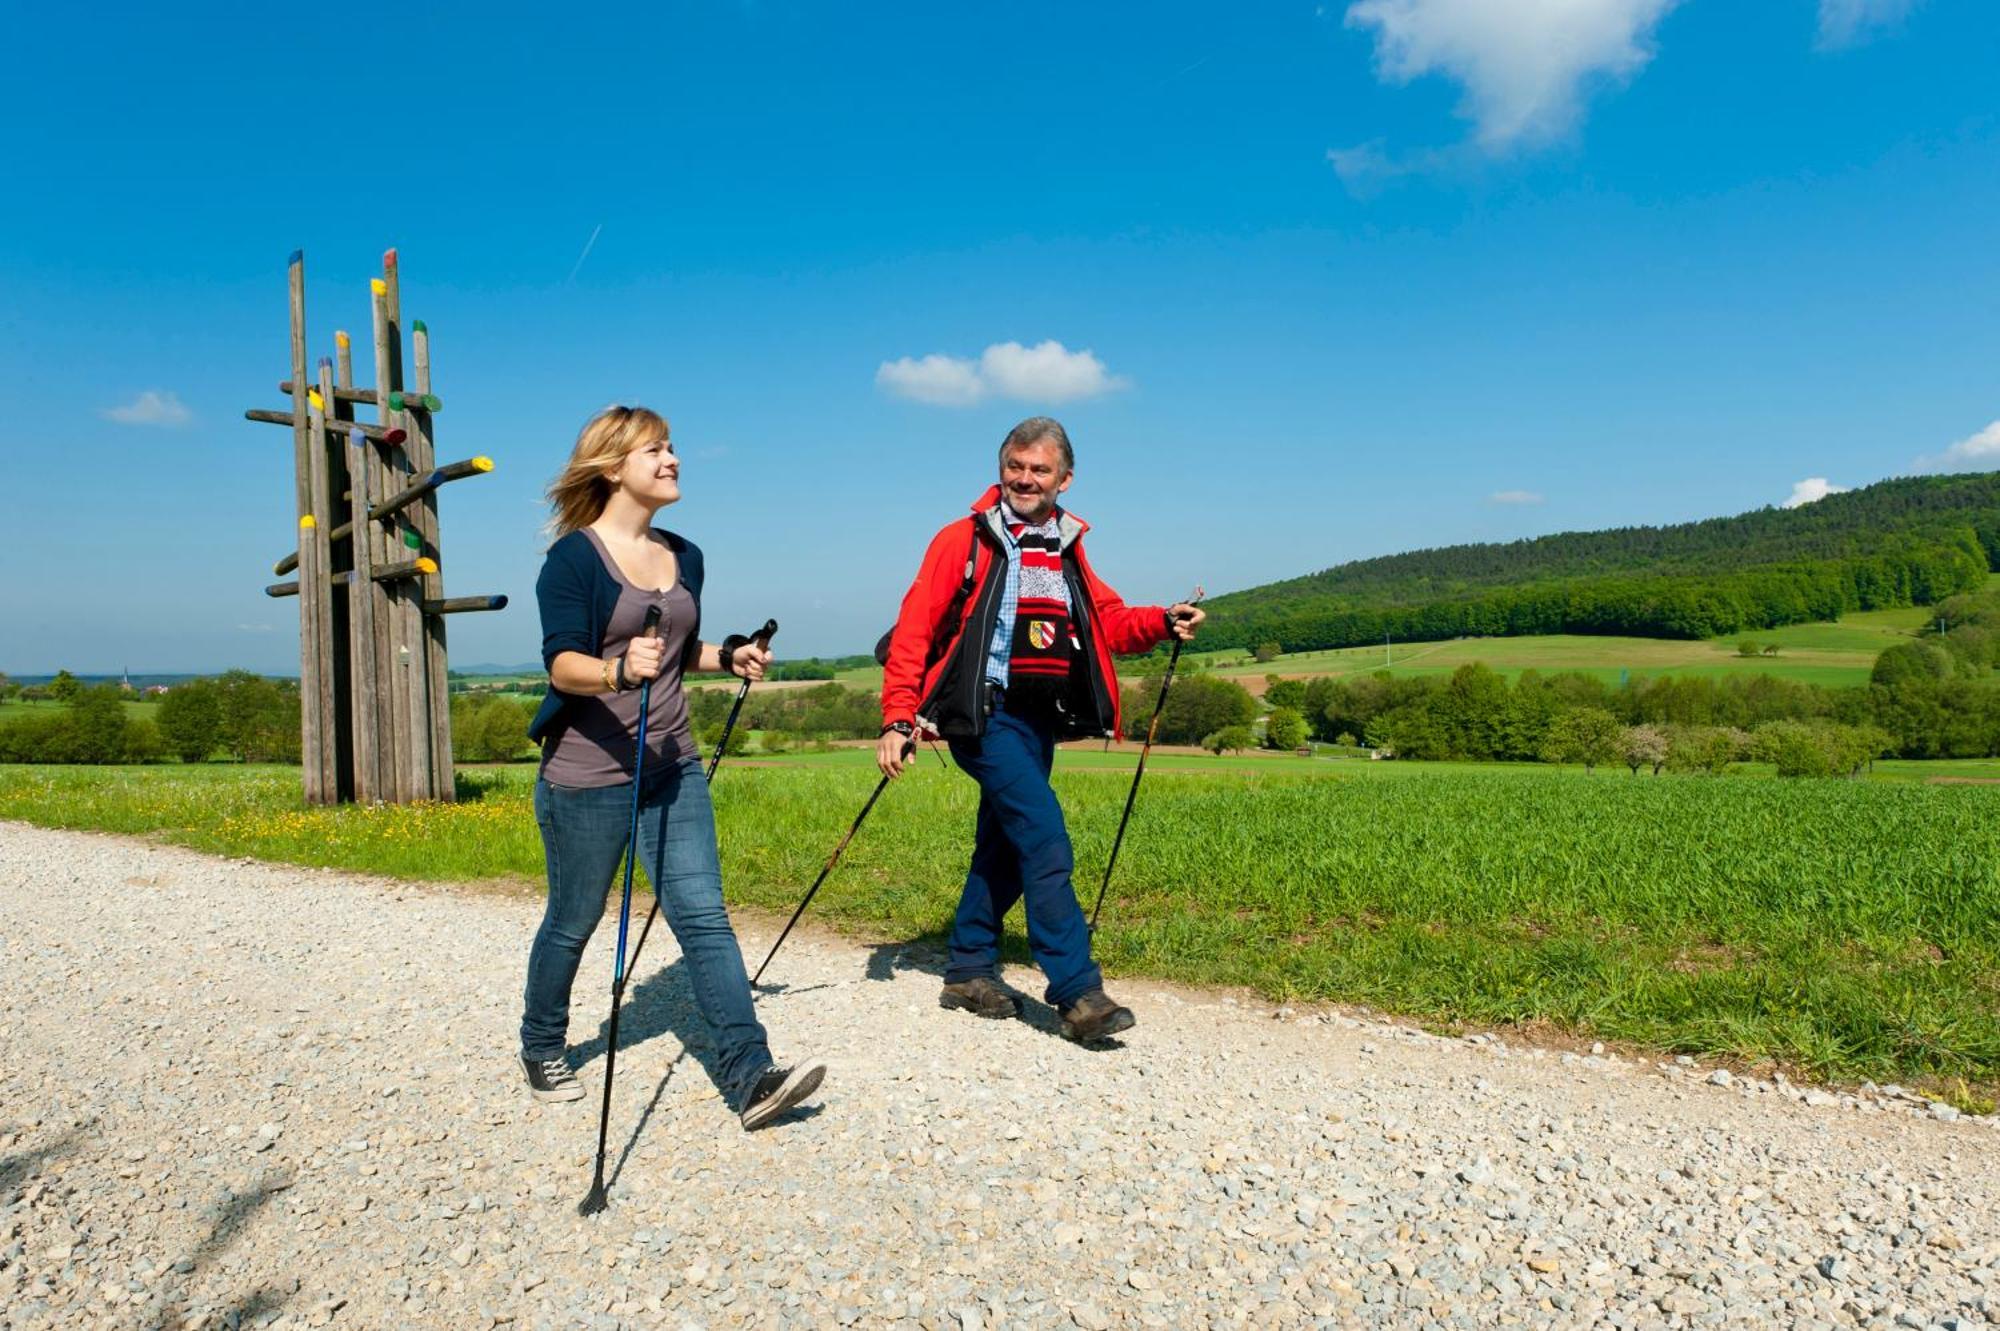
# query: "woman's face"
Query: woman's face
650,473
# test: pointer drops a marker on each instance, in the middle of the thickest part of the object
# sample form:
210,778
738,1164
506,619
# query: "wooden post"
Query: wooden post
314,539
436,679
391,642
315,618
362,604
414,702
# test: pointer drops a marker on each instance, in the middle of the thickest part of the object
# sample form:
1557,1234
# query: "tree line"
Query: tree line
1913,541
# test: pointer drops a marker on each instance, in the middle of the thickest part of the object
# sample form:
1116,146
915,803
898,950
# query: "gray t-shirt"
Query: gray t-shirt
592,744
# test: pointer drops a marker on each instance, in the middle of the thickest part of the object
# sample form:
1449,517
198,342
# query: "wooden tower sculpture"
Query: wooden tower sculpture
376,717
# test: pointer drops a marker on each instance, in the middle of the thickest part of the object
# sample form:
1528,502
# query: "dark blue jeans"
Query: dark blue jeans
583,841
1021,849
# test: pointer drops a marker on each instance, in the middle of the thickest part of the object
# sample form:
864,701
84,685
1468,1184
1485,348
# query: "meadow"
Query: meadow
1844,929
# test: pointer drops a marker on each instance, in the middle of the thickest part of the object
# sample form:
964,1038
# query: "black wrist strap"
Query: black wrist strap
623,683
732,644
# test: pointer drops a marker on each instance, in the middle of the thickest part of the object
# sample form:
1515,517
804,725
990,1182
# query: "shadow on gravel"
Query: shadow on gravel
927,955
226,1221
660,1004
18,1168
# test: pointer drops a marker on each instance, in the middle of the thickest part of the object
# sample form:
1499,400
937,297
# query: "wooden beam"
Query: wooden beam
408,568
463,605
437,678
381,434
396,503
363,396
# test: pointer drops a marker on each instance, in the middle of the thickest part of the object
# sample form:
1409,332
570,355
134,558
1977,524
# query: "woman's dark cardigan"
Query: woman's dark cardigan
577,594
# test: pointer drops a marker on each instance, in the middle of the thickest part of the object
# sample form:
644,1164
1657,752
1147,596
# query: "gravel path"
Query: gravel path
247,1094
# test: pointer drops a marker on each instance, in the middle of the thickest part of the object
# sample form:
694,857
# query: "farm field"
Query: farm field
1847,929
135,709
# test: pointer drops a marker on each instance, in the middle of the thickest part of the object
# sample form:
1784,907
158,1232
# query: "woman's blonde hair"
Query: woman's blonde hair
578,496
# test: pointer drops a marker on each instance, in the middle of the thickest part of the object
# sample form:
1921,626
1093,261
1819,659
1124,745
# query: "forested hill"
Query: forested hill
1903,542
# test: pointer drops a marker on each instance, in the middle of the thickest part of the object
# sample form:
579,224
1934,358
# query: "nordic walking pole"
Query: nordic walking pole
763,639
1166,682
909,747
597,1201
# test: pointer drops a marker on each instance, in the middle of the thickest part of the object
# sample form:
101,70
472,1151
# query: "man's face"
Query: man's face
1031,476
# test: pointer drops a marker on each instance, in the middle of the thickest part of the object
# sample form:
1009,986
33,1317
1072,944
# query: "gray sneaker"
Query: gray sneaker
551,1079
780,1089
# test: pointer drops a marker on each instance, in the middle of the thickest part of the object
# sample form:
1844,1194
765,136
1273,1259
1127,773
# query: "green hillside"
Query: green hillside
1906,542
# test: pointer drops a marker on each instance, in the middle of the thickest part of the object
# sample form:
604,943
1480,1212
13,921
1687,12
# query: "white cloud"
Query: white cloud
942,381
1851,22
1047,372
1978,452
1514,497
1812,489
151,408
1523,63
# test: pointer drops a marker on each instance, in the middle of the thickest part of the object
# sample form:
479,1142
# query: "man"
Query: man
1003,647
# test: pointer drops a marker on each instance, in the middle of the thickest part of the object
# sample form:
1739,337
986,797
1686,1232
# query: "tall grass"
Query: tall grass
1848,928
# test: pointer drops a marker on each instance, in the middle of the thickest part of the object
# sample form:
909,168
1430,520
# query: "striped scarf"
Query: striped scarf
1039,653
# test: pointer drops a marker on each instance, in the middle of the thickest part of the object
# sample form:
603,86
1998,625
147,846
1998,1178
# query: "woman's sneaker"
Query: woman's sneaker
551,1079
779,1089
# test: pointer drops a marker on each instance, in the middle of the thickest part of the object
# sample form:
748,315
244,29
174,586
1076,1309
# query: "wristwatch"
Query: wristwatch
903,728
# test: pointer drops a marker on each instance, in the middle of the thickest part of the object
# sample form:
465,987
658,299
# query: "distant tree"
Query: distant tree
1587,735
774,741
1747,648
1230,739
1267,652
190,720
63,688
1643,746
739,739
6,687
1285,729
502,730
1198,705
143,743
1285,693
97,720
1705,748
1771,648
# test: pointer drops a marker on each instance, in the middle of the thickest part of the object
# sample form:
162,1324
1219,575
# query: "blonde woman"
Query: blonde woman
608,566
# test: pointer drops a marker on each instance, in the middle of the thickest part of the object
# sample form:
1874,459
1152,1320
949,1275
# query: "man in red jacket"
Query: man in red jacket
1003,647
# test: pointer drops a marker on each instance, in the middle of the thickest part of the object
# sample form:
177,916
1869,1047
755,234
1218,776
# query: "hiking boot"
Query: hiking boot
1095,1016
983,996
778,1090
551,1079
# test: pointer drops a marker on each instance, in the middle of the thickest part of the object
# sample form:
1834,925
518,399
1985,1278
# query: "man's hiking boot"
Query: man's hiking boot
1095,1016
551,1079
778,1090
982,996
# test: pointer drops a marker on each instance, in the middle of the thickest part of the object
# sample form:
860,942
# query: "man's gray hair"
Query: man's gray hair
1035,429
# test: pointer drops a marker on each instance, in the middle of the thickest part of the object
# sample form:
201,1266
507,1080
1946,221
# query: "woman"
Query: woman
607,568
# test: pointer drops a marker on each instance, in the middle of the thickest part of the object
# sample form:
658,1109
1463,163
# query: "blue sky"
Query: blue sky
1307,282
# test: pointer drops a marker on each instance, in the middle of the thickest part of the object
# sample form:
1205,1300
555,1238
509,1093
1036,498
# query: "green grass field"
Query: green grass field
135,709
1848,929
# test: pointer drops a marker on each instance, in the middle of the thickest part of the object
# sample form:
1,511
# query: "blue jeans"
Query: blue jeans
584,832
1021,849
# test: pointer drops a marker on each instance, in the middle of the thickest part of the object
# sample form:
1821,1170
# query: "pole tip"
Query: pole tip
318,402
295,258
595,1202
482,463
306,523
389,258
378,287
417,326
427,565
341,340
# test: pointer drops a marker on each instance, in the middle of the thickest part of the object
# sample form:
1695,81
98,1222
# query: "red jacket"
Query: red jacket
934,669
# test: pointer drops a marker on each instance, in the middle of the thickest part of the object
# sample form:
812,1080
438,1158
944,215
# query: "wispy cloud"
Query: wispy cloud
1811,490
1527,67
1047,372
151,408
1516,497
1975,452
1844,23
